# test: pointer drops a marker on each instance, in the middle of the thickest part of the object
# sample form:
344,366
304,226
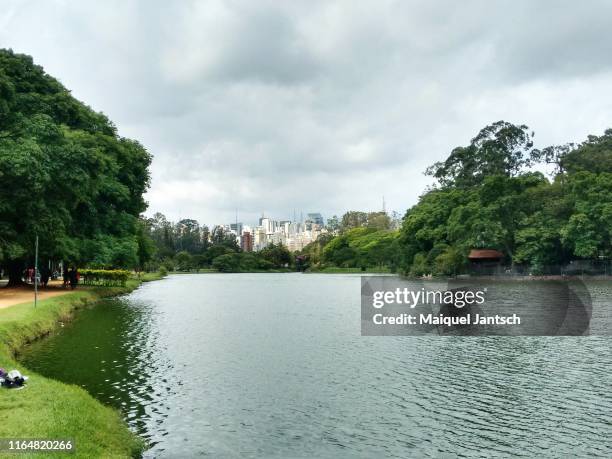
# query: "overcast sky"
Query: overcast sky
318,106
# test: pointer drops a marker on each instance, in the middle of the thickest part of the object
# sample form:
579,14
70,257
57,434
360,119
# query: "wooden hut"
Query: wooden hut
485,261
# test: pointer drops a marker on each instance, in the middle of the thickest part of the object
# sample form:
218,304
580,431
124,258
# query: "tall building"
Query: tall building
314,221
260,239
246,242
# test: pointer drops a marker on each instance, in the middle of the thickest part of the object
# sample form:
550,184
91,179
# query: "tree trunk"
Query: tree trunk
15,273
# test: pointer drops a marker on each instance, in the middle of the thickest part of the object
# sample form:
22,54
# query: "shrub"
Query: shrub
105,277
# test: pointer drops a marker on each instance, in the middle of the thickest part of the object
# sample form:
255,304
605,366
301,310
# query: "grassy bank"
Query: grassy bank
250,271
338,270
51,409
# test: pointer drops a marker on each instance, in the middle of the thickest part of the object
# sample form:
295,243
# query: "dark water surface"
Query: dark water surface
273,365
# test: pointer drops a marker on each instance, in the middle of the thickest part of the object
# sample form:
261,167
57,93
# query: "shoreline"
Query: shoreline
526,278
354,271
52,409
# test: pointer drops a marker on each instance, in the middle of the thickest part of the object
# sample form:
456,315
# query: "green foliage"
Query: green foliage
353,219
187,245
106,251
501,148
379,221
228,263
450,262
277,255
333,224
65,174
419,266
184,261
356,219
594,155
362,247
311,256
105,277
273,257
487,200
146,245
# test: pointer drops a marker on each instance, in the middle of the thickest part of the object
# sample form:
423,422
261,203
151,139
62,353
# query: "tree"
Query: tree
311,254
333,224
65,175
554,155
501,148
594,155
227,263
588,232
162,233
362,248
146,245
188,236
277,254
220,236
353,219
487,200
379,220
184,260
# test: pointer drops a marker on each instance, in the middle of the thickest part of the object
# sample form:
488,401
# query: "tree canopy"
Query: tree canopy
65,174
488,197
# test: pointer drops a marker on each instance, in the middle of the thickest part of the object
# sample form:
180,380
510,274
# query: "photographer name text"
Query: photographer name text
441,319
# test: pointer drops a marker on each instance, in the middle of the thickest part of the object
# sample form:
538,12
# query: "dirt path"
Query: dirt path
25,294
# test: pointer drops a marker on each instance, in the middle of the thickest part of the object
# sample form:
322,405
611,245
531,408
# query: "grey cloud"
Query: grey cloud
318,106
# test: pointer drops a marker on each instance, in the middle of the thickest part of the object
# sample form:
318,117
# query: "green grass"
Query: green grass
195,271
338,270
51,409
214,271
148,277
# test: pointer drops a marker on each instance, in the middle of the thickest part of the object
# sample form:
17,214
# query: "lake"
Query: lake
273,365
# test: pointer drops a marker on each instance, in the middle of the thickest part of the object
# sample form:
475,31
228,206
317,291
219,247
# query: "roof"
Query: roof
485,254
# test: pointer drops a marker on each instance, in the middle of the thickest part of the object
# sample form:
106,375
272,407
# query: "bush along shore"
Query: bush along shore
49,409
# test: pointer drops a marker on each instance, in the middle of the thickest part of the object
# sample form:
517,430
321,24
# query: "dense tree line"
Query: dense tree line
66,176
490,195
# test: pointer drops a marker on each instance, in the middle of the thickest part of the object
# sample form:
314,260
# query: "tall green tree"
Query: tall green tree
65,175
501,148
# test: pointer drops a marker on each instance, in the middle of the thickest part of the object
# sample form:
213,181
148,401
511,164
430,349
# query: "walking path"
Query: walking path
25,294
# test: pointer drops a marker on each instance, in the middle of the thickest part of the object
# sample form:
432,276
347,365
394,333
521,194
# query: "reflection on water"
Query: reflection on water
265,365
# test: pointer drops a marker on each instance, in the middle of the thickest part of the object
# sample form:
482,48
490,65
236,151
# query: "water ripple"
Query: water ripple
274,366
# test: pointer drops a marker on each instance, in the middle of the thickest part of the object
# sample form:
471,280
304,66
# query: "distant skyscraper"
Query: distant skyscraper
246,242
313,219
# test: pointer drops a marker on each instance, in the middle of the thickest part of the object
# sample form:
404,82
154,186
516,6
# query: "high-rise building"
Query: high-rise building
236,228
314,221
246,242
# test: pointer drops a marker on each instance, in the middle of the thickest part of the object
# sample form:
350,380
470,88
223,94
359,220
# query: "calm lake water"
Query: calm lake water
273,365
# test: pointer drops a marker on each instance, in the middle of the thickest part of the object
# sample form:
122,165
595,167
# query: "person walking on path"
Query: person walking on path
45,273
74,277
65,275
